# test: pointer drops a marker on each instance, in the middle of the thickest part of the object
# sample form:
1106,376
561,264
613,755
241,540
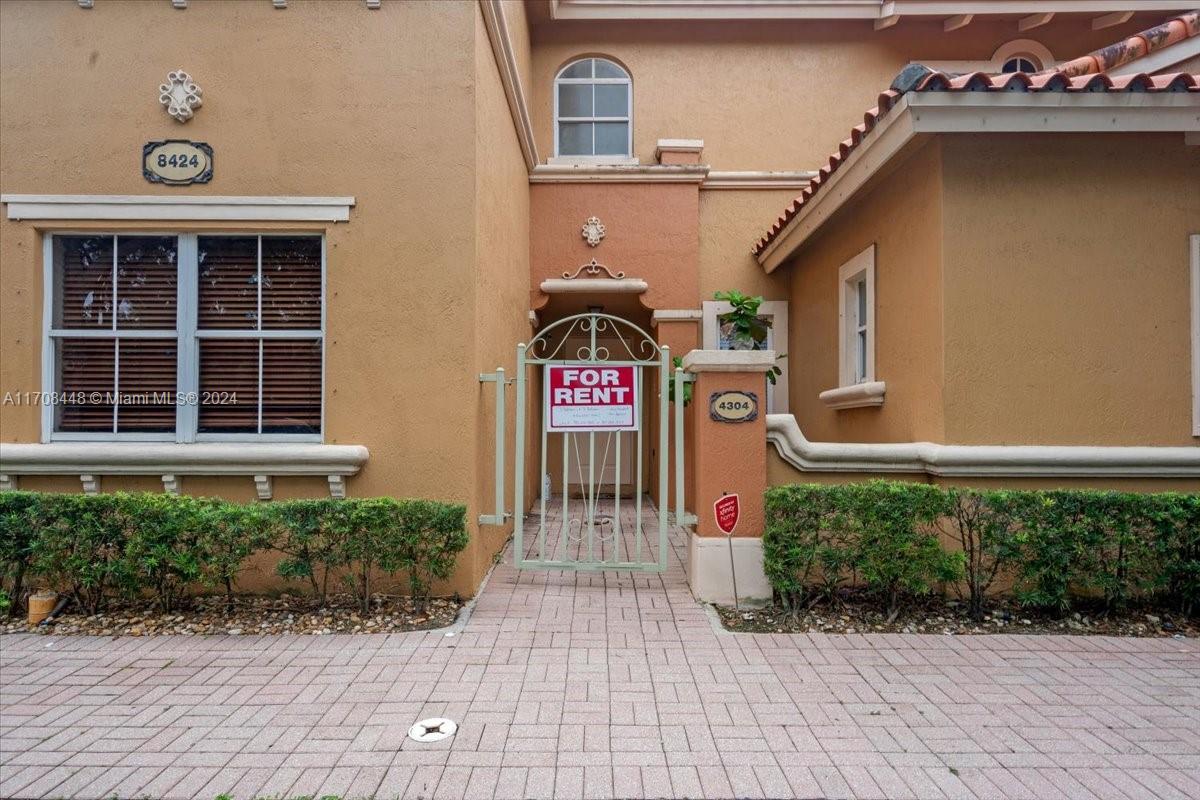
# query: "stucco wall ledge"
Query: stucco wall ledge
860,395
982,460
729,360
334,462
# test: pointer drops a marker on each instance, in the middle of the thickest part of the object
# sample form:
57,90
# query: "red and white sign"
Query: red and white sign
591,397
727,511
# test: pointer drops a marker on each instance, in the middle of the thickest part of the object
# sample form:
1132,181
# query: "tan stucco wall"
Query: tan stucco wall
501,278
1066,288
730,221
803,83
900,213
320,99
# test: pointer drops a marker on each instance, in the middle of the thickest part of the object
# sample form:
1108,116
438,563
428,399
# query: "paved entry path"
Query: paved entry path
601,685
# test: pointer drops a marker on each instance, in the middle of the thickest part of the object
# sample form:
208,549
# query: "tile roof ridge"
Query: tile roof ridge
1133,47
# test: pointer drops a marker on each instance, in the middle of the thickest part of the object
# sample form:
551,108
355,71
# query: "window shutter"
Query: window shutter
83,267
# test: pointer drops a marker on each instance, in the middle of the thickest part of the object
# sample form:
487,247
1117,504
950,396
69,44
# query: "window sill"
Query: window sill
170,461
861,395
591,161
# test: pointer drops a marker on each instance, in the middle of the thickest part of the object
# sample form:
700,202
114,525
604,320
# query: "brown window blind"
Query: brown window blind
250,342
260,383
228,386
291,386
227,273
291,282
87,367
114,284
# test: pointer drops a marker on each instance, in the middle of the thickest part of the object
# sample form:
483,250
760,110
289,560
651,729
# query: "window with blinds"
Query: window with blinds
186,337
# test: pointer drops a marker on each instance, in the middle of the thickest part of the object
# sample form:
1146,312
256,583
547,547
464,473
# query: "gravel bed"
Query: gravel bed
854,613
252,616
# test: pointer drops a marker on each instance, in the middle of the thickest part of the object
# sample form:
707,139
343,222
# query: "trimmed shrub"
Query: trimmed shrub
80,545
99,547
880,533
1056,545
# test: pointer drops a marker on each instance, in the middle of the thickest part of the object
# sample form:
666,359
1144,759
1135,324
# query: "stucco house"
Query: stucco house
470,250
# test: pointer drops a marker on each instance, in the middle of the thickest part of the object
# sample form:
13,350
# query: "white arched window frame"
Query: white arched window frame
588,111
1030,50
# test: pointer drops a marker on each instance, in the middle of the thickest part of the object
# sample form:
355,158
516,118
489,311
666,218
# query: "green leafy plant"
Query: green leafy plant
986,525
162,547
18,521
312,536
749,328
80,547
229,535
677,363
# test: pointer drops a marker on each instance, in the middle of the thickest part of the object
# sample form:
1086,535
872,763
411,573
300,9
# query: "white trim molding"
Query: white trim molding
1194,257
860,395
601,285
919,113
177,207
91,460
729,361
592,172
979,460
792,180
675,315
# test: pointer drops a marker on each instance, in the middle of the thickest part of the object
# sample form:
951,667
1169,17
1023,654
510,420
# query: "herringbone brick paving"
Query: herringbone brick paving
601,685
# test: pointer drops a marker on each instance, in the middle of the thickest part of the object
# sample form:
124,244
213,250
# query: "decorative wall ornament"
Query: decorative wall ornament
180,95
593,231
593,268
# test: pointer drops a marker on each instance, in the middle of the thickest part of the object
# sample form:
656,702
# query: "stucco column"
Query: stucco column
730,458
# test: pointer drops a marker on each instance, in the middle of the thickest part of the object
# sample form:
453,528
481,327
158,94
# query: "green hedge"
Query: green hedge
98,547
1054,546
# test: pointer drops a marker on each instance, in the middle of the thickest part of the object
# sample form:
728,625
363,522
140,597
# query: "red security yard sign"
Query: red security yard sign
727,511
591,397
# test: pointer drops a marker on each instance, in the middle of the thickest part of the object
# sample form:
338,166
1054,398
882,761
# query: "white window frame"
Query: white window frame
861,268
1194,252
627,156
187,336
1029,49
777,340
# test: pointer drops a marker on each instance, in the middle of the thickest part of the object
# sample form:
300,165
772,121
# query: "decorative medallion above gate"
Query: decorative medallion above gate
597,375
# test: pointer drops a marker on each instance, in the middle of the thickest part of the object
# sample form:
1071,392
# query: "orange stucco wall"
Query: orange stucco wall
651,233
394,107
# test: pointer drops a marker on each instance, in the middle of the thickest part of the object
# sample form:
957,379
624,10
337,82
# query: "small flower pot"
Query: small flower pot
40,605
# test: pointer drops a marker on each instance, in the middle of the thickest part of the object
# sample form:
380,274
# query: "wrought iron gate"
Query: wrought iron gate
592,512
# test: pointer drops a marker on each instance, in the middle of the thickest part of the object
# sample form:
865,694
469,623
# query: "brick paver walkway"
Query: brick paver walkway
601,685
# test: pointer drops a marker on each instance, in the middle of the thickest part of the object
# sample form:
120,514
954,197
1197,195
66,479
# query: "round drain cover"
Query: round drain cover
433,729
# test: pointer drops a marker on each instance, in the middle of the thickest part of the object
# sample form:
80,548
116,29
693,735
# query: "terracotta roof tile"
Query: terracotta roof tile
1051,81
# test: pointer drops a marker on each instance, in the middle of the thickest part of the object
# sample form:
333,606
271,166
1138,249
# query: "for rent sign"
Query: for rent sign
591,397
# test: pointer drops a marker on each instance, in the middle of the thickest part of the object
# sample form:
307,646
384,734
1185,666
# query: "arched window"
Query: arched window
1020,64
593,110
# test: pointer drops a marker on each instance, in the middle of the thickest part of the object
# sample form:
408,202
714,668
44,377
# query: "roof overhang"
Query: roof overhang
923,113
838,9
